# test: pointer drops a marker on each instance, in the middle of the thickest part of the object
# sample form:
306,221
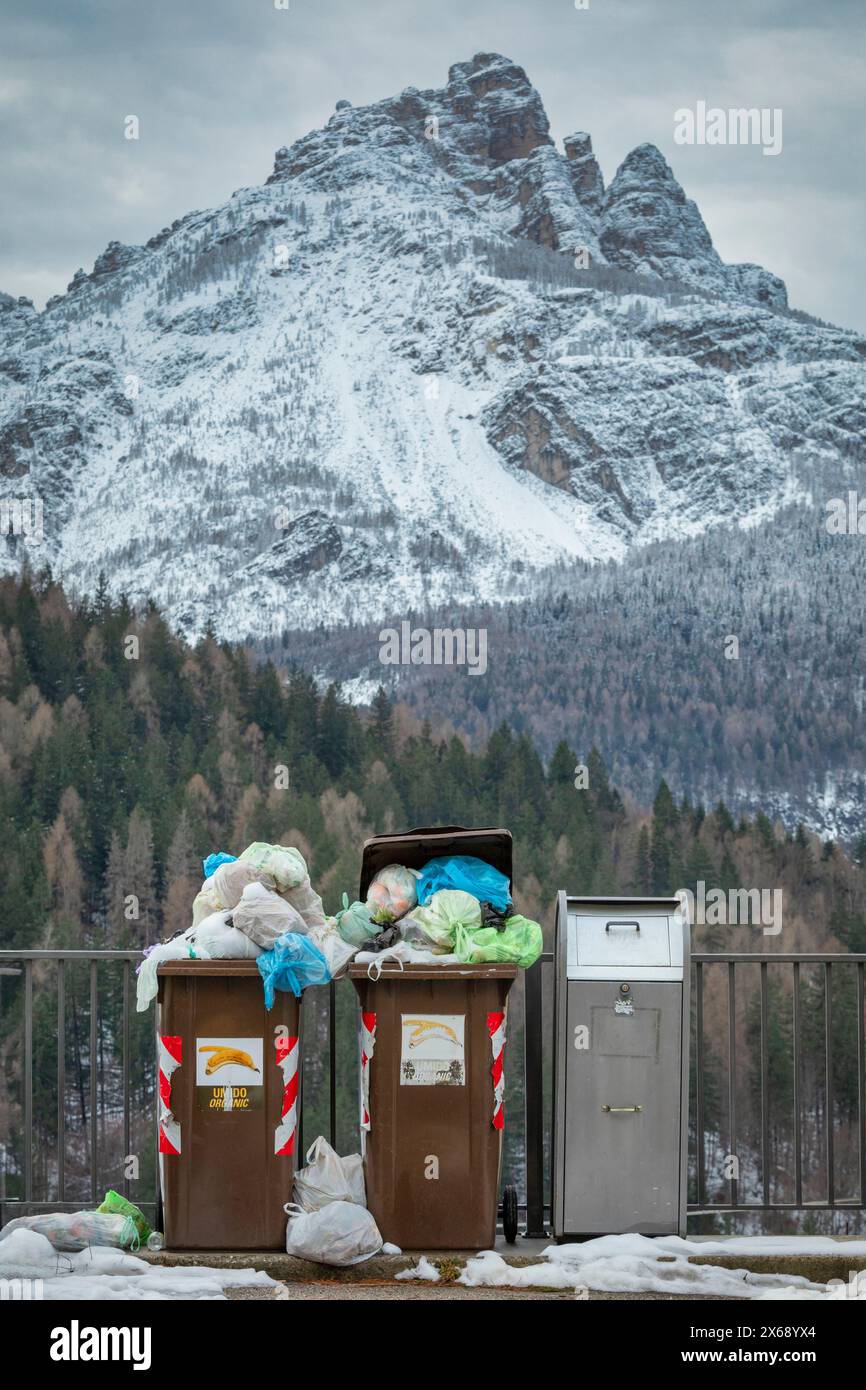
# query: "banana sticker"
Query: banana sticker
227,1056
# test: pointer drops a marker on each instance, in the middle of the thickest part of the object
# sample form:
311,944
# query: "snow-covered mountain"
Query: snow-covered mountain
385,379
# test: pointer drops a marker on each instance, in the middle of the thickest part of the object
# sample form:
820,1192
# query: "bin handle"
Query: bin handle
616,923
622,1109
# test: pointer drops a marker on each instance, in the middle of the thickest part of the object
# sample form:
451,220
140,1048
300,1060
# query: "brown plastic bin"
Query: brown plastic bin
225,1173
433,1062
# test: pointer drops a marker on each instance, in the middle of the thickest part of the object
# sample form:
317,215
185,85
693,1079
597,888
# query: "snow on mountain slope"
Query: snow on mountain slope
377,382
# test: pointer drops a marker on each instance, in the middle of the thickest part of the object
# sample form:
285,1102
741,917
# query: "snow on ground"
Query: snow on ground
102,1274
639,1264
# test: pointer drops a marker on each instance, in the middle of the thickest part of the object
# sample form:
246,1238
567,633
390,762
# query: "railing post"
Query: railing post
533,1025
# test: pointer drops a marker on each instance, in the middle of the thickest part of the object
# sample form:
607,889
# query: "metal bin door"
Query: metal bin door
623,1162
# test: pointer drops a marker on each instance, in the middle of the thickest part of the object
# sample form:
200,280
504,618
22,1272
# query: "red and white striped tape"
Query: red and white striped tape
496,1029
170,1056
287,1061
368,1046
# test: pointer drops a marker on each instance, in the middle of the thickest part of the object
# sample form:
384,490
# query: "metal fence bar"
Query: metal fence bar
829,1099
61,1079
798,1107
765,1085
332,1061
94,1106
125,1069
533,1023
699,1062
732,1078
28,1080
861,1081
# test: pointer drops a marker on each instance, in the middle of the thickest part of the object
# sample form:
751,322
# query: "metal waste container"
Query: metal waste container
621,1066
228,1106
432,1060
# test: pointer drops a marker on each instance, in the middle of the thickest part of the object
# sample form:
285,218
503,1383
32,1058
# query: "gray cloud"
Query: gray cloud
219,85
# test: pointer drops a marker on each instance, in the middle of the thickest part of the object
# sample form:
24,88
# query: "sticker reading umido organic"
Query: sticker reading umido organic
229,1074
432,1050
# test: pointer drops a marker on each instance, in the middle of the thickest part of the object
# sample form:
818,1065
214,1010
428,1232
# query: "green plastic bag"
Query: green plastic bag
353,923
116,1205
520,942
447,910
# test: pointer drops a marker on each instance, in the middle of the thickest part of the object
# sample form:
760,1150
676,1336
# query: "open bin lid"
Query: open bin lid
414,848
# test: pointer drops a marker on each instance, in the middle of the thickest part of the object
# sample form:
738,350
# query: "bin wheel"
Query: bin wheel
509,1214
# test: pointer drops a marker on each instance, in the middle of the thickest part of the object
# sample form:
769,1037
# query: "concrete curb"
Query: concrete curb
818,1268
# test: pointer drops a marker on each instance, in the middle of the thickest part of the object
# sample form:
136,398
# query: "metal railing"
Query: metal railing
537,1052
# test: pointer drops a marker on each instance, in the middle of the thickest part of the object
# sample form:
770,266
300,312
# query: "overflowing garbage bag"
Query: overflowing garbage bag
340,1233
292,964
468,874
447,909
327,1177
213,861
353,922
519,940
246,905
115,1204
392,893
263,916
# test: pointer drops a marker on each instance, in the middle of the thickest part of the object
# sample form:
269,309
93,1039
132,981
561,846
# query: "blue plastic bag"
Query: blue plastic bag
213,861
292,964
468,874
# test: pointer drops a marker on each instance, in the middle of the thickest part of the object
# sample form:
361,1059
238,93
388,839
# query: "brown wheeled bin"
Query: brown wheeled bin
228,1106
432,1073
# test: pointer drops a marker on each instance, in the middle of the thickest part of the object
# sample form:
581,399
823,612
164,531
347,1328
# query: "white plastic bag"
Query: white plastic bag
205,903
328,1178
336,951
183,947
286,865
230,880
216,940
263,916
341,1233
305,900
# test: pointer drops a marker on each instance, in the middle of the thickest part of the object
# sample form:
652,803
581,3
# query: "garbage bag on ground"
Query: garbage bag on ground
447,908
285,864
392,893
264,916
353,922
341,1233
328,1178
336,951
230,880
76,1230
217,939
467,873
292,964
115,1204
520,941
213,861
182,947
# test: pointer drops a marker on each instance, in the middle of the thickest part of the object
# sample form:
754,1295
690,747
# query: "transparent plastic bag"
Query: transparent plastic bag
520,941
230,880
76,1230
341,1233
285,864
448,908
392,893
264,916
216,938
336,951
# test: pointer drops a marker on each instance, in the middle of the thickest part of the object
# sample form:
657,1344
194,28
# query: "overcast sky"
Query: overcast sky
218,85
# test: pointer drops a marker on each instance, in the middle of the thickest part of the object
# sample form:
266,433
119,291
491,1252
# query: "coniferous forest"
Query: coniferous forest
127,755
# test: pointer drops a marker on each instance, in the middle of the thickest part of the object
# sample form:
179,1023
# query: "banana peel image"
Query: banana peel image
225,1057
424,1028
